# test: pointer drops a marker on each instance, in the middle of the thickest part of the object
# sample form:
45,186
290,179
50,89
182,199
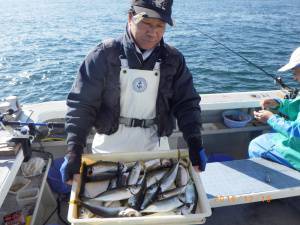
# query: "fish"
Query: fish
190,193
96,208
118,194
112,184
100,177
113,204
135,201
122,179
92,189
152,164
102,167
135,173
171,193
155,164
182,176
107,212
155,176
168,180
150,195
85,213
165,205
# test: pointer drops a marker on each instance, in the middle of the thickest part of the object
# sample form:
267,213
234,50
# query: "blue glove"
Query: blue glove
70,166
202,159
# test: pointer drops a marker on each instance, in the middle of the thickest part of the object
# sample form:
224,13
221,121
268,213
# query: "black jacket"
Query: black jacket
94,100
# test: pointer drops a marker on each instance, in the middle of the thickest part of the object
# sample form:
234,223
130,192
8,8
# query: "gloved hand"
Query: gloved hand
202,159
197,152
70,166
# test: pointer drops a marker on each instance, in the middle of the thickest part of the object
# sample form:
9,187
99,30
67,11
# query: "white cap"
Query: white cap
294,61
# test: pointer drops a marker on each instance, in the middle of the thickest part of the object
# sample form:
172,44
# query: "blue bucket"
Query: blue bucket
236,118
54,178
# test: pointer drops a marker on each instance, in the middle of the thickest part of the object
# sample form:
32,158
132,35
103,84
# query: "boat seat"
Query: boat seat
248,180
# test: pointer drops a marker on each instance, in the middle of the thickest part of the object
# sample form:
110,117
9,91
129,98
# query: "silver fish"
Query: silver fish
182,177
122,179
168,180
118,194
135,201
92,189
155,176
94,207
102,167
85,213
150,195
171,193
100,177
157,164
190,193
112,184
134,173
152,164
165,205
112,204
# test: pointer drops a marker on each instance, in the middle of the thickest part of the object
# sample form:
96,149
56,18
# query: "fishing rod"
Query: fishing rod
292,92
24,132
50,125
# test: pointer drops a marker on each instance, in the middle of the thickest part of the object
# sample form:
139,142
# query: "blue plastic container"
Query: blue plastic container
236,118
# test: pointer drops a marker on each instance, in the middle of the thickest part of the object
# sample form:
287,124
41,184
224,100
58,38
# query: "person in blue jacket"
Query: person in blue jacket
131,90
282,145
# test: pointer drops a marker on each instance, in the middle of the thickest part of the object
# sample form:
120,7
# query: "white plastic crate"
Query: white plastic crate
203,209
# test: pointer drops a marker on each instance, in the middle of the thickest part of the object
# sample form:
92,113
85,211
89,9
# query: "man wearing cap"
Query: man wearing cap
282,146
131,89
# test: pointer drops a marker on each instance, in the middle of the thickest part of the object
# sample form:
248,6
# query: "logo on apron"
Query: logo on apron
139,84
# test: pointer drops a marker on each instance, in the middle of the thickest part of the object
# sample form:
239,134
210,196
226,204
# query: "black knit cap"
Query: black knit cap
161,9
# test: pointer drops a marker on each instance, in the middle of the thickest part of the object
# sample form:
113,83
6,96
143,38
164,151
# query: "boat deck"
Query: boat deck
277,212
252,192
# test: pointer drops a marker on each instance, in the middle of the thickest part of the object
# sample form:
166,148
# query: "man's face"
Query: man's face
147,32
296,72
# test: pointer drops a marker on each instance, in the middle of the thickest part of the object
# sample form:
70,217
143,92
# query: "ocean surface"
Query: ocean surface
43,42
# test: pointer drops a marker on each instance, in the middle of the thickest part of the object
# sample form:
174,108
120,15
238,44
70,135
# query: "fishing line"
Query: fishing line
292,92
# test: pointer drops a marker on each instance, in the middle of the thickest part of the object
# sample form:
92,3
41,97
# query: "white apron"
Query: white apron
138,100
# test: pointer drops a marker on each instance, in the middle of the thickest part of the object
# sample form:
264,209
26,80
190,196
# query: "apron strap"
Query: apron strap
157,66
124,64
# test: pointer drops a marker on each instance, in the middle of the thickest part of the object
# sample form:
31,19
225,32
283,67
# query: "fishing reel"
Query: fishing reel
291,93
